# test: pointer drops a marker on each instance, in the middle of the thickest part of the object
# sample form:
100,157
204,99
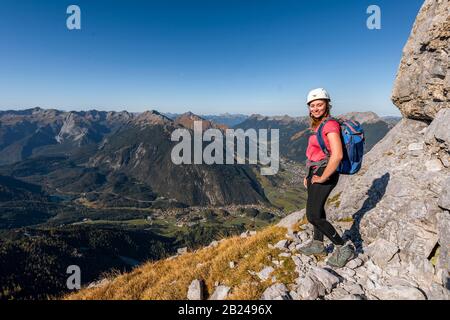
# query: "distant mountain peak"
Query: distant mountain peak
152,117
190,115
284,119
257,116
36,109
187,120
112,115
362,117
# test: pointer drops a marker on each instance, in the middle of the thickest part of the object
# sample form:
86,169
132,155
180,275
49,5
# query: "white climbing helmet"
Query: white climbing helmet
317,94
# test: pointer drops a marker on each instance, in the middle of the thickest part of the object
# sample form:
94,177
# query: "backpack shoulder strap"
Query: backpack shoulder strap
320,137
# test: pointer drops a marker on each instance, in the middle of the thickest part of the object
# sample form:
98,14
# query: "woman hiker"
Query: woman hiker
322,178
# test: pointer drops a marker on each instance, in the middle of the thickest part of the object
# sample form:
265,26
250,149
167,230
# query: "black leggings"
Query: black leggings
315,211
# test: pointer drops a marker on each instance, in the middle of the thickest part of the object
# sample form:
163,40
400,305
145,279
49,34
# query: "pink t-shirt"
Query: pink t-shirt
314,153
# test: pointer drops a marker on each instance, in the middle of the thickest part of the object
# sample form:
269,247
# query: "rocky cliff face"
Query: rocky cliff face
423,81
399,201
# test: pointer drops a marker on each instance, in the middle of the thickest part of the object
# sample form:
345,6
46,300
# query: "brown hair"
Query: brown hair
314,122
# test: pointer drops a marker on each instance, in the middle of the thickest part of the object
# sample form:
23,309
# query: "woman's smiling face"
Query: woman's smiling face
318,108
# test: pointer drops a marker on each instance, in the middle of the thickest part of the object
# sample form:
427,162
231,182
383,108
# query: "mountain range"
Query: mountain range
93,150
95,179
128,154
294,131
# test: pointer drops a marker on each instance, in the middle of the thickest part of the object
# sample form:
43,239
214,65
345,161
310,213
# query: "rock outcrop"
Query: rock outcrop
381,270
396,209
423,81
398,202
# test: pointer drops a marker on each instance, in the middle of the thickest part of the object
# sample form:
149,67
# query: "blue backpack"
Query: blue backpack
352,136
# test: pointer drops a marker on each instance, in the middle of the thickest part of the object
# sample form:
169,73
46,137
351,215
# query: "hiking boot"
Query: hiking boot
341,255
315,247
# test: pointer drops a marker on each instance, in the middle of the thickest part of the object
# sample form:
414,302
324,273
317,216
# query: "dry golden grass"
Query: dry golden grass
169,279
298,226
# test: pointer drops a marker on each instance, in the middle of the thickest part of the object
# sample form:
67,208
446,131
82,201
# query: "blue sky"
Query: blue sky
214,56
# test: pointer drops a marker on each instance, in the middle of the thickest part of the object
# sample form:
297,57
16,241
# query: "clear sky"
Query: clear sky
206,56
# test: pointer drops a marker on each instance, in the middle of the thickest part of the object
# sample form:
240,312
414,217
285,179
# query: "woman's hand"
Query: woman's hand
305,183
317,179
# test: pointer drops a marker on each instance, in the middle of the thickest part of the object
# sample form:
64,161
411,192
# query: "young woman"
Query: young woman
322,178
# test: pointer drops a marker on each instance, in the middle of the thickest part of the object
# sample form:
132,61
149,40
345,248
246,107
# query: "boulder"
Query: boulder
354,289
327,279
290,220
284,254
381,251
438,131
282,244
412,238
309,289
398,292
195,290
220,293
337,294
444,199
355,263
373,268
277,291
346,273
265,273
416,268
303,236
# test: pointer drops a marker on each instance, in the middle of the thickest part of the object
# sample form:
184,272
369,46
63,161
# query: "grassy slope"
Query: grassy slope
170,278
